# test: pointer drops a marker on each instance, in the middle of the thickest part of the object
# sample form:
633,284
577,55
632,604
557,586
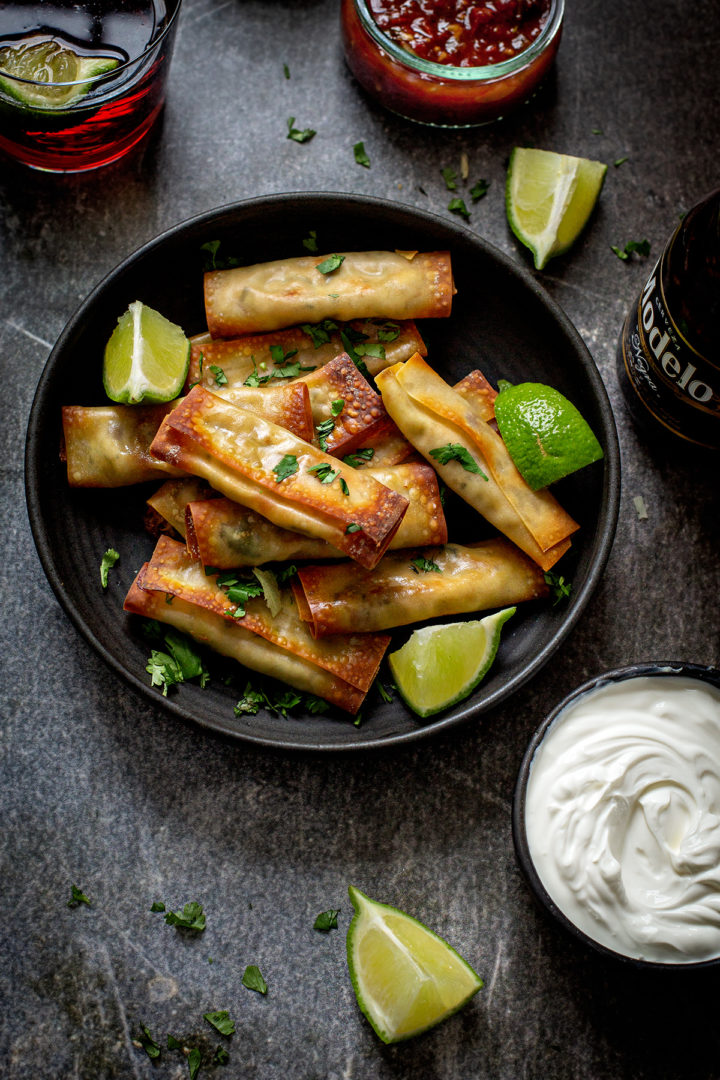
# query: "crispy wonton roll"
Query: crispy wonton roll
171,499
250,650
224,534
109,445
409,586
354,658
471,458
363,284
287,480
299,350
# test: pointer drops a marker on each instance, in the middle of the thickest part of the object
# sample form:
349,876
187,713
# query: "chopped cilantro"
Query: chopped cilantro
221,1056
250,703
343,486
354,355
337,406
194,1061
425,565
192,917
220,376
310,242
240,593
157,906
279,356
327,920
286,573
109,559
221,1021
388,332
597,131
353,527
361,157
329,265
450,177
640,247
559,587
283,702
456,452
148,1044
77,897
298,135
315,705
253,979
365,453
319,332
286,71
479,189
163,670
286,466
210,257
173,1043
385,693
324,472
620,161
457,206
323,430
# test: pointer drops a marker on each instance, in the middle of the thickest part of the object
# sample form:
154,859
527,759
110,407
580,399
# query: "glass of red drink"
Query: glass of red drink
81,82
451,63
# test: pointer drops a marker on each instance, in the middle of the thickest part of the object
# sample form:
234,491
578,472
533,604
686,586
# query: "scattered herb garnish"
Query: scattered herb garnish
253,980
323,430
250,703
384,692
157,905
450,177
148,1044
640,247
388,332
425,565
319,332
598,131
253,700
324,472
353,527
360,155
457,206
327,920
365,453
297,134
220,376
286,573
559,587
354,352
77,897
238,593
221,1056
279,356
337,406
221,1021
194,1060
286,466
456,452
316,705
329,265
286,71
179,663
479,189
310,242
620,161
109,559
192,917
173,1043
211,261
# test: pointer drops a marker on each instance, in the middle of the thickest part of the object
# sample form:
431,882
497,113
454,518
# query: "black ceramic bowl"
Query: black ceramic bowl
502,322
660,669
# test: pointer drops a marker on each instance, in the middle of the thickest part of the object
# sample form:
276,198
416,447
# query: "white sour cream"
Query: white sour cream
623,817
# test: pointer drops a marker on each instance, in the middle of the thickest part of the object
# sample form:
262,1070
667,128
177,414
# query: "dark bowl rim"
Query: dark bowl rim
599,552
660,668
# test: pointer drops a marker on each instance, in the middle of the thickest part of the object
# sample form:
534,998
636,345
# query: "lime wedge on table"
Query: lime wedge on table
146,358
440,665
546,436
406,978
549,198
47,63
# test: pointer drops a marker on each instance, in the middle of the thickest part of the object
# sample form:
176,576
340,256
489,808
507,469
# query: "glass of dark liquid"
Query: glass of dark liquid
81,81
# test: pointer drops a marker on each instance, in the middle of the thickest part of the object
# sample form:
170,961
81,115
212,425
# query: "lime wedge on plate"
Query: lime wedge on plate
546,436
146,358
549,198
440,665
406,978
45,63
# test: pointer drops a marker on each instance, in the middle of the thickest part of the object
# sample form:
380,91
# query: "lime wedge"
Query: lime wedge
546,436
146,358
47,63
440,665
549,198
406,978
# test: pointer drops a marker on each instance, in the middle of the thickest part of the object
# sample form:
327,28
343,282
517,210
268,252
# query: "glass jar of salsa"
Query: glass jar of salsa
451,63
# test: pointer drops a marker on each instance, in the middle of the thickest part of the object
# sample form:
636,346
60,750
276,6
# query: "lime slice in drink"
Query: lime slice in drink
146,358
45,63
546,436
406,978
440,665
549,198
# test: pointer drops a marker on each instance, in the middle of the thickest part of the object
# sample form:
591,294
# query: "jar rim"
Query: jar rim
483,73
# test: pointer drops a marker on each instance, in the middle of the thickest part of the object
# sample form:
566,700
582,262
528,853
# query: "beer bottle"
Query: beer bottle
669,351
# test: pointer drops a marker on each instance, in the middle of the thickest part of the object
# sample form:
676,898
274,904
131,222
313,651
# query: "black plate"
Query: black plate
502,322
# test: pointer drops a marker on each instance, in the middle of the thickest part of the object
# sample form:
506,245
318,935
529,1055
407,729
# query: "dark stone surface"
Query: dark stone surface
101,789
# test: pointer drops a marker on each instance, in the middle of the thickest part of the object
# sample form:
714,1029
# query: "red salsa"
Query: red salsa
464,33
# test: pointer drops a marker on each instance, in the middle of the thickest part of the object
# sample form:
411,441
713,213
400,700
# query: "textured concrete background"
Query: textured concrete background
101,788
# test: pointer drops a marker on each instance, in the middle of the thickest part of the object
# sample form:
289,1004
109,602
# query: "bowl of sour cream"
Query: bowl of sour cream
616,816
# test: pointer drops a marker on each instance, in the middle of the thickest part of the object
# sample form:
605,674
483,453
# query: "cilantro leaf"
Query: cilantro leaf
220,376
365,453
157,905
620,161
640,247
286,573
148,1044
286,466
315,705
286,71
323,430
310,241
212,262
353,527
250,703
479,189
329,265
109,559
425,565
192,917
163,670
319,332
173,1043
239,594
285,701
298,135
327,920
221,1021
384,692
354,355
456,452
361,157
388,332
560,588
194,1061
450,177
186,657
325,472
337,406
457,206
279,356
221,1056
77,897
253,979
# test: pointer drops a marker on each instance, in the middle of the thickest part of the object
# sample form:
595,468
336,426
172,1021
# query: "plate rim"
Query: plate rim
598,554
